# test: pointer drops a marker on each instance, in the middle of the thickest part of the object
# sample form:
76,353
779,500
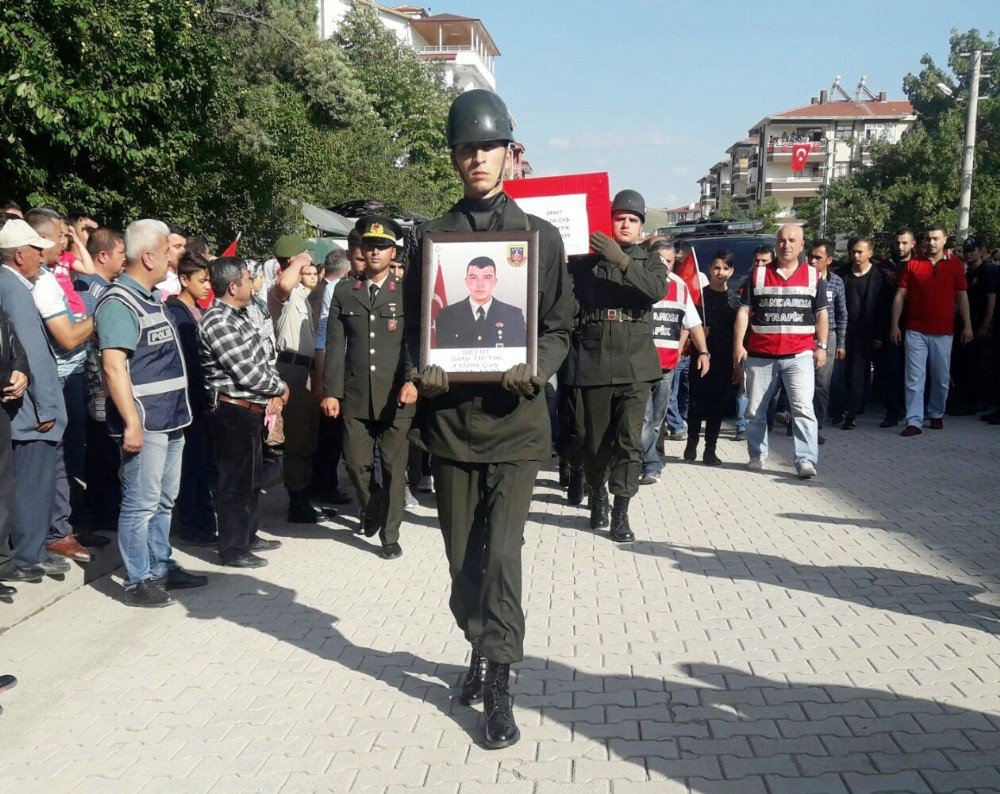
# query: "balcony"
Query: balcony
793,184
462,62
782,152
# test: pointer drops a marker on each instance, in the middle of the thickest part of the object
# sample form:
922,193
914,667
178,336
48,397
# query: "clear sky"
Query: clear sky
654,91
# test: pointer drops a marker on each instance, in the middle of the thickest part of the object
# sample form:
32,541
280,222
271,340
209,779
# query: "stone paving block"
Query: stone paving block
821,784
585,770
983,779
746,785
900,781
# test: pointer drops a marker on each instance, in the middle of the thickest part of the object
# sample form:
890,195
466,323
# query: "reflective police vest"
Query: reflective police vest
156,367
667,322
782,321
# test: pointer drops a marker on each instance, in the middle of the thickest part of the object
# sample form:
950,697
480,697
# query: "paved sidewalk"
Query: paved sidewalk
763,634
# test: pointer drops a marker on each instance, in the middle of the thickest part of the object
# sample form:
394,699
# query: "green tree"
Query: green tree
916,182
102,103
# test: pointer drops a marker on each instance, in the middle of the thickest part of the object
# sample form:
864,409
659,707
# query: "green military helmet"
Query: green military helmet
478,116
630,201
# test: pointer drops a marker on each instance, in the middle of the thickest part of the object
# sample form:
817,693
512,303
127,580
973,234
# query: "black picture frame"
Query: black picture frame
515,256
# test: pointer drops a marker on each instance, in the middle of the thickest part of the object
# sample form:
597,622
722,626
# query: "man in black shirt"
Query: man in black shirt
968,362
889,364
709,393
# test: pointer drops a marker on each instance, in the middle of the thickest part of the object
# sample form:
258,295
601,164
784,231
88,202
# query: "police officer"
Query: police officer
488,440
614,358
366,386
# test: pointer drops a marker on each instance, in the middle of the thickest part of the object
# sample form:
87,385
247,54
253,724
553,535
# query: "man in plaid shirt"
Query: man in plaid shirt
243,388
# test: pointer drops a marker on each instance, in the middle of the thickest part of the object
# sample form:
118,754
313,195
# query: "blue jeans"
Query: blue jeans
656,412
150,480
741,405
798,375
678,408
926,354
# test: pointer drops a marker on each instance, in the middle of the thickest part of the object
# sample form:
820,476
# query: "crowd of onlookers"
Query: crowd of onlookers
138,371
150,388
911,329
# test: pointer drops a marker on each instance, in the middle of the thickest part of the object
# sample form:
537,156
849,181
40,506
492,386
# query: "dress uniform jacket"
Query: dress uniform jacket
613,343
503,326
484,423
365,366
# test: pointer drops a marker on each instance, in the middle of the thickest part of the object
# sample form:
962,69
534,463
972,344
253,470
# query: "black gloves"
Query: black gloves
519,380
431,381
609,249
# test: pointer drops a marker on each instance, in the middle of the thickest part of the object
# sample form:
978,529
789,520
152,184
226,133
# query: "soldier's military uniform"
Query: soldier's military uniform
488,442
365,369
613,364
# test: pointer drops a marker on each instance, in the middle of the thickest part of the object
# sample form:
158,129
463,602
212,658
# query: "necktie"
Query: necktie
480,315
373,291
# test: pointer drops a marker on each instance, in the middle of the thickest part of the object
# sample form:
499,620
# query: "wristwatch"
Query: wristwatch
704,353
821,345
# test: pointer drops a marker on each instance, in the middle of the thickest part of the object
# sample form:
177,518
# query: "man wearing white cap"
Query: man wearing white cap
40,418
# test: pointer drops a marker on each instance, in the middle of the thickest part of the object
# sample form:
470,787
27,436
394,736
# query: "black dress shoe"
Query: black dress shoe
889,421
498,706
6,591
260,544
55,565
247,560
709,458
7,682
179,579
27,573
475,678
147,594
849,424
392,551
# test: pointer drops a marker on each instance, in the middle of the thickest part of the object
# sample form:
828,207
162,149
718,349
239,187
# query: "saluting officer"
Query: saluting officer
488,440
367,385
613,357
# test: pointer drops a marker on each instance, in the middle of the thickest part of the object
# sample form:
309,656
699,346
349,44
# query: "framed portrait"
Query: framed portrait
480,303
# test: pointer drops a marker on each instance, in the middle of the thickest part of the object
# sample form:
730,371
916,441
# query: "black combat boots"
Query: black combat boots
300,509
472,684
709,458
599,509
621,532
574,494
564,468
498,706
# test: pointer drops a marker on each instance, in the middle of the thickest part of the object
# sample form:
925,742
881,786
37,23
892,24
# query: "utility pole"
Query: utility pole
829,137
969,156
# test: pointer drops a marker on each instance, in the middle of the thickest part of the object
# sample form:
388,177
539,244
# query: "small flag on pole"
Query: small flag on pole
688,271
231,250
439,301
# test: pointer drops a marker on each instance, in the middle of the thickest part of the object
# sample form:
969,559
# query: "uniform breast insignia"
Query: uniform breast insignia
392,325
392,286
516,254
357,285
613,315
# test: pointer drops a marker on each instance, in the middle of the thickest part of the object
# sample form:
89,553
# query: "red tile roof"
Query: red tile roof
847,108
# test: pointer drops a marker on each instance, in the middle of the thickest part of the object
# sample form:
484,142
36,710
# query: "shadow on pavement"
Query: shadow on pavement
920,595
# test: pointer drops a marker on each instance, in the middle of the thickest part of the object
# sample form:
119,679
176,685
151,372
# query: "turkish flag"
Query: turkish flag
231,251
439,301
688,270
800,153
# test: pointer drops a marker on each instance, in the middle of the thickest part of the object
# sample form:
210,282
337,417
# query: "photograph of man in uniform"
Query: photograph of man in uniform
481,320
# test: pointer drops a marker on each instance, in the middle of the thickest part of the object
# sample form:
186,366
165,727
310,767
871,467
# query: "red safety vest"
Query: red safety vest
667,322
782,321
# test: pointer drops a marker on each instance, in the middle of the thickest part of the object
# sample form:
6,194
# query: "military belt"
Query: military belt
613,316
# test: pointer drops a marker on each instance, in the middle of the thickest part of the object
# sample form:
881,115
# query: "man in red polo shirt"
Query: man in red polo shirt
930,289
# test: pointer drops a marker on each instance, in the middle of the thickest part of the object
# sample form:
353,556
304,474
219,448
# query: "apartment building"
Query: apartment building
462,45
839,134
